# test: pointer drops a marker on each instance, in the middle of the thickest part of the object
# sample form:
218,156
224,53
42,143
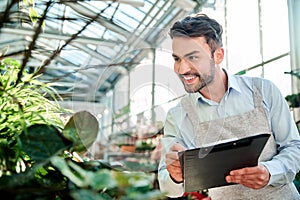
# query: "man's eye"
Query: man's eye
176,59
193,57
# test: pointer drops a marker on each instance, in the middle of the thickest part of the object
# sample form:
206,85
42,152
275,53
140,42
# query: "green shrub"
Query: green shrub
41,158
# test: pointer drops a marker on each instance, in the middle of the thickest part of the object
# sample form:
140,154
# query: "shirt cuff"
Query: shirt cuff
275,170
168,186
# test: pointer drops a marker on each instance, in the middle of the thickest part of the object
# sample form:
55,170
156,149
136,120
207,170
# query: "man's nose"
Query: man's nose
183,67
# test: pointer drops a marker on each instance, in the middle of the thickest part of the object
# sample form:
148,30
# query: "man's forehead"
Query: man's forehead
184,45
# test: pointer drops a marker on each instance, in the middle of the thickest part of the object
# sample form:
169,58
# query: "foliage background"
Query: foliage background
41,158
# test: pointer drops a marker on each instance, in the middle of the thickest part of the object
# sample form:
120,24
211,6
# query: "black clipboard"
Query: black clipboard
207,167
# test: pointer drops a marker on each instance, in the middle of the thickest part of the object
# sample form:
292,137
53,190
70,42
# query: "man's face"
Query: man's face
193,62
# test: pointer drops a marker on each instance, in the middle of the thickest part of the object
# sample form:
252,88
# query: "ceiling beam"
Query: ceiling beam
82,10
53,35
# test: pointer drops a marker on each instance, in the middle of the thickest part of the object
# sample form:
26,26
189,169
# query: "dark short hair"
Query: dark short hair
199,25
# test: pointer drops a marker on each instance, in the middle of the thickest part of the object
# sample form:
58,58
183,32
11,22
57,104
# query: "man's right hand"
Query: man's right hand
173,164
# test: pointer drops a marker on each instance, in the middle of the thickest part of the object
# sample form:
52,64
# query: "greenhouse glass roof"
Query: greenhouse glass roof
74,42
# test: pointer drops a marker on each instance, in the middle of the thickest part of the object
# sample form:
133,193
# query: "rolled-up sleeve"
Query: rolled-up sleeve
166,184
285,165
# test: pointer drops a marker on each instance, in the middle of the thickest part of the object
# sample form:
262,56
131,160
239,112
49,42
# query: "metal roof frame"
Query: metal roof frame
84,40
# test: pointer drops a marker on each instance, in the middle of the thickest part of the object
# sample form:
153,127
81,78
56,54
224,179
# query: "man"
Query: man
221,106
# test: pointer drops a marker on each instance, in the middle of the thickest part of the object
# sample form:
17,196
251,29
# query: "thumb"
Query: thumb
177,147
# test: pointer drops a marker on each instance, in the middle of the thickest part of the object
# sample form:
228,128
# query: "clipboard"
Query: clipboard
207,167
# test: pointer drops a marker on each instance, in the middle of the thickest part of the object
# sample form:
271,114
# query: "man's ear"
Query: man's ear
219,55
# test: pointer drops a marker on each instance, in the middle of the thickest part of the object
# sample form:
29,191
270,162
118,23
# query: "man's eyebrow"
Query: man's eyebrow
191,53
186,55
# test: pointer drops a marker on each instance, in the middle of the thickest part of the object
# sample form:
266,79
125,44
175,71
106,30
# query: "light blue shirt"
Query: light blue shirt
238,99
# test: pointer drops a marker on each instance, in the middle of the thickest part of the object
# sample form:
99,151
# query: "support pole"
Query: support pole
294,30
153,87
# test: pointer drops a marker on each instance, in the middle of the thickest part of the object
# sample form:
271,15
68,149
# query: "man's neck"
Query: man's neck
217,89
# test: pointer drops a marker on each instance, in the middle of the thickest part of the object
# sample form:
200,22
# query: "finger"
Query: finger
250,170
246,170
174,162
177,147
258,178
172,156
175,173
174,170
250,180
254,184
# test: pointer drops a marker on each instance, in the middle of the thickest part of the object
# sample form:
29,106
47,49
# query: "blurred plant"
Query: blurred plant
34,16
22,104
41,158
293,100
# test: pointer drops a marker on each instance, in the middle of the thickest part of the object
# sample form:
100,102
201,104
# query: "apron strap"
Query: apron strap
257,92
190,111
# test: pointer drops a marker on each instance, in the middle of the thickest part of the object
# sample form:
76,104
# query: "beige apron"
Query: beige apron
239,126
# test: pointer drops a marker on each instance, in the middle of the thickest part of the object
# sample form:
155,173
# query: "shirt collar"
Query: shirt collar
232,85
196,96
232,82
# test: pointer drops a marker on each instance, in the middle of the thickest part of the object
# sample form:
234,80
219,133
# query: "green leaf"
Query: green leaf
102,179
82,194
99,180
33,14
64,168
41,142
241,72
82,130
121,179
145,195
12,62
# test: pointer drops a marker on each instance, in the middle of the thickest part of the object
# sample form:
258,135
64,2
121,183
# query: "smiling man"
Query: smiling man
222,106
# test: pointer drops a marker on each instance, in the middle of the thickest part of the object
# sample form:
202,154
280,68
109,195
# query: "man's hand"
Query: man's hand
252,177
172,162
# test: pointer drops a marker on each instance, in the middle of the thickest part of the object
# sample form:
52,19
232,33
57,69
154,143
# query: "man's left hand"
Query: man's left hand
252,177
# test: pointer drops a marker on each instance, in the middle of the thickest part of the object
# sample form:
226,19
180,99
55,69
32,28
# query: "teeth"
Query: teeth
189,78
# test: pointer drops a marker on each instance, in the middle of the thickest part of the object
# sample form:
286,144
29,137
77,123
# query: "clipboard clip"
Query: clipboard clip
204,151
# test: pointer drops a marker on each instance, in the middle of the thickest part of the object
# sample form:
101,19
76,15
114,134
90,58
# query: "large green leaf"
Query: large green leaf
98,180
84,194
82,130
102,179
41,142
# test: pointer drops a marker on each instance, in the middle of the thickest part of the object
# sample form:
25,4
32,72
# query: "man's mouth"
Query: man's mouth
189,78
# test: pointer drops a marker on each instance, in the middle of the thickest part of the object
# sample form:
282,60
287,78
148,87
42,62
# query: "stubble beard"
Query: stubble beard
204,80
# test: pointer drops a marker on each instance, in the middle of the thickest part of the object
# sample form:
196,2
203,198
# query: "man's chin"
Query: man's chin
190,89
